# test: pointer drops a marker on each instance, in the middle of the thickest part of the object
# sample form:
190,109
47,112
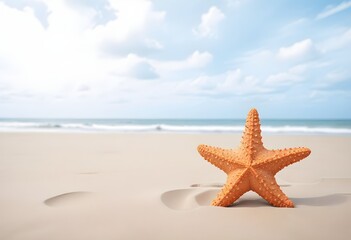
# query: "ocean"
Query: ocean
268,126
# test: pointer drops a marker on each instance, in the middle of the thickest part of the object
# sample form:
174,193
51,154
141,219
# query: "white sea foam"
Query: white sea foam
16,126
305,129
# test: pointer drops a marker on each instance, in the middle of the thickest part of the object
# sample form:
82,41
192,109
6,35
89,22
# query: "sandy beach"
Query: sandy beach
114,115
157,186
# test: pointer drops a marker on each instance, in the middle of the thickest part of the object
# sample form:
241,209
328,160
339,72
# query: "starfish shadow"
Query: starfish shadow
251,203
326,200
220,185
205,198
191,198
248,200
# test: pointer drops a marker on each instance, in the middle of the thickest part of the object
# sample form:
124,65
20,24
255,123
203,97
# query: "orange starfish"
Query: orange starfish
251,166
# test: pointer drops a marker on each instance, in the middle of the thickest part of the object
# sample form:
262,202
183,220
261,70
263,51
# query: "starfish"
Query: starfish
252,166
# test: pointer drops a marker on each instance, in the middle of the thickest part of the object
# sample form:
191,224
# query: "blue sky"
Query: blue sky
175,59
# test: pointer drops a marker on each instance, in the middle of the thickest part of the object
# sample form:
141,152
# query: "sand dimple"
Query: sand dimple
205,198
180,199
190,198
69,199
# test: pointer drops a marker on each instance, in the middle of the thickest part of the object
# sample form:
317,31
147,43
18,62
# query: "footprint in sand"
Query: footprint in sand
195,196
70,199
184,199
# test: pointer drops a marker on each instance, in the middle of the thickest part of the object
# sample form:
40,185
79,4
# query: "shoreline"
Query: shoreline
342,127
280,134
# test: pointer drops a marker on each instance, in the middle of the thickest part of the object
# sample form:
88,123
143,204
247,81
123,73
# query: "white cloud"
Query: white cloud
331,10
83,88
195,60
152,43
296,50
132,18
332,78
199,59
230,83
55,60
64,62
336,42
143,70
283,79
209,22
293,75
38,7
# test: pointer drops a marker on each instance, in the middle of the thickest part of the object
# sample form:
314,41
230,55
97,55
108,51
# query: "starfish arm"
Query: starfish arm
237,184
278,159
252,140
265,185
224,159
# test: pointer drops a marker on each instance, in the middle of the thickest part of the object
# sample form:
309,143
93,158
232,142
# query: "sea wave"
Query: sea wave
98,127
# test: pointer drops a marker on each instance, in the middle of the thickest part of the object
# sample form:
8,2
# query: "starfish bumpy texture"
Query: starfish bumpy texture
251,166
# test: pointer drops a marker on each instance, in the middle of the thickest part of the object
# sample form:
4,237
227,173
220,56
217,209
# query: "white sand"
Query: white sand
156,186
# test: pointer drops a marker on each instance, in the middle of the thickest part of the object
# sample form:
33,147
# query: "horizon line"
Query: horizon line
160,118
